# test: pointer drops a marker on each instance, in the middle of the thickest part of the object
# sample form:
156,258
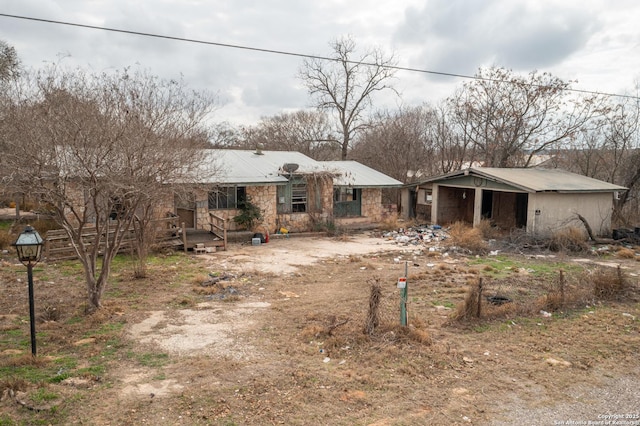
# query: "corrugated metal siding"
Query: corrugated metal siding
244,167
247,167
547,180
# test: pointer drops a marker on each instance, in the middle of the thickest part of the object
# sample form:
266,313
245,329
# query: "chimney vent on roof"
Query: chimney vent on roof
259,149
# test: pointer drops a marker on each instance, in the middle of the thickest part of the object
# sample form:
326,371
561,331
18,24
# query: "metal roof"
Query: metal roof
246,167
354,174
536,179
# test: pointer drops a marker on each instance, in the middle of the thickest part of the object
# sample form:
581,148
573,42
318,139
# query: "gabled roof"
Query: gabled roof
534,179
246,167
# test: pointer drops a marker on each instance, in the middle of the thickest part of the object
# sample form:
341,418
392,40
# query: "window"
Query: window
345,194
347,202
226,197
292,197
428,197
299,197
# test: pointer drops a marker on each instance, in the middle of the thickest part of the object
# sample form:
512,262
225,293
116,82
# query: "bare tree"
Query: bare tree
509,119
453,150
399,144
345,85
225,135
308,132
9,62
99,150
610,150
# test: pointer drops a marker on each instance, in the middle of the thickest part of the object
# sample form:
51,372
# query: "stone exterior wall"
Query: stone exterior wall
371,206
265,198
164,205
228,215
319,208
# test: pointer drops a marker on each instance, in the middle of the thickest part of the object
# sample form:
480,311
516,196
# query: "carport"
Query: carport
539,201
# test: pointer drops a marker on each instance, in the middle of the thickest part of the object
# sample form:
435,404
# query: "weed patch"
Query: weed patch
570,239
463,236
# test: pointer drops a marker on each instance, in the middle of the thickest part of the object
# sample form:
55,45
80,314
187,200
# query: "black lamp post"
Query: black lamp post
29,247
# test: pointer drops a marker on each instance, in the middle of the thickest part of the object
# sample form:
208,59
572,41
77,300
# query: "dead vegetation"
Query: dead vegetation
468,238
608,284
569,239
562,293
329,347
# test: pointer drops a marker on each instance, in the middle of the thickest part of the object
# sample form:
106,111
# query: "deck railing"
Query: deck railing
59,247
218,227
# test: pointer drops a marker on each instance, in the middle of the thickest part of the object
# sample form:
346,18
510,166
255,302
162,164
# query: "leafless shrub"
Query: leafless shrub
6,239
49,313
625,253
373,319
13,384
489,231
466,237
569,239
469,308
608,284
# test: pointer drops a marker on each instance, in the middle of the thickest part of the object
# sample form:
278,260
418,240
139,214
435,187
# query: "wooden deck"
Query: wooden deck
168,234
204,237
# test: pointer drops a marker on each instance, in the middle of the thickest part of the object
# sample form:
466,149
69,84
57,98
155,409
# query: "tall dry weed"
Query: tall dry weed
570,239
469,307
464,236
609,284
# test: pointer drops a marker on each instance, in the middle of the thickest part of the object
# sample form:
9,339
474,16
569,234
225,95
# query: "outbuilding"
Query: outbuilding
540,201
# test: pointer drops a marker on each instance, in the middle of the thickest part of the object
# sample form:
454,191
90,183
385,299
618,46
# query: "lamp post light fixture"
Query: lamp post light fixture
29,248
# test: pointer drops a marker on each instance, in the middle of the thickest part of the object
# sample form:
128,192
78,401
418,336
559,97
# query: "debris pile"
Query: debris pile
418,235
222,286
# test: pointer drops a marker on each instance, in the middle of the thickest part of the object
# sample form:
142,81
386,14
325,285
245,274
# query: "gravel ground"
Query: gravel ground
616,401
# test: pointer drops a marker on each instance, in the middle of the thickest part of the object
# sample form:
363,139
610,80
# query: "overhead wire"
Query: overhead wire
296,54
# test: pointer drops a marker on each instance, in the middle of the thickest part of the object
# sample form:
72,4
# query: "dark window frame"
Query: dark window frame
226,197
293,197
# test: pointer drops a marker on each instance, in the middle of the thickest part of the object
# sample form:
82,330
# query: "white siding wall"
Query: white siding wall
548,212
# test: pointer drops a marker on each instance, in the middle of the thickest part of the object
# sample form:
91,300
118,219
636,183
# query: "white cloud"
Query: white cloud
585,40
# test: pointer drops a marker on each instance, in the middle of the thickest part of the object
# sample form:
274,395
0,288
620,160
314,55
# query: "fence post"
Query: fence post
479,298
403,296
561,288
184,237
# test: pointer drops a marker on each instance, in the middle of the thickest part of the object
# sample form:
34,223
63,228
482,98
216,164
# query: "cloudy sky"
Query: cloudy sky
596,42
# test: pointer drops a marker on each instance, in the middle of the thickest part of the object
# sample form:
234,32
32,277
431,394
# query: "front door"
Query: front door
186,210
346,202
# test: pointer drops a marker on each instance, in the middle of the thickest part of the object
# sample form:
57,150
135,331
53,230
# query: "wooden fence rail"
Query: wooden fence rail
58,246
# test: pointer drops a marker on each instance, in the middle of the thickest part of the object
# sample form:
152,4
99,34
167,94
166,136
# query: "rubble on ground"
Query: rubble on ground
418,235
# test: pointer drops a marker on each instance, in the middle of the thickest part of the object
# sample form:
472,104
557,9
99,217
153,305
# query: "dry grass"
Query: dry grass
608,284
13,384
26,360
6,239
570,239
389,225
626,253
370,377
469,307
466,237
489,231
565,293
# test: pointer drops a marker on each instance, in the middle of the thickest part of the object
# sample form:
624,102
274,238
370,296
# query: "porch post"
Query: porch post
435,195
477,207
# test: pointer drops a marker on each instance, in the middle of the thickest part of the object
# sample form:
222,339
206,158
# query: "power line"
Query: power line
300,55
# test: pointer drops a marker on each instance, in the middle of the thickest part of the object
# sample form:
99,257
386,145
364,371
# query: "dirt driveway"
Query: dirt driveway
519,371
287,255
